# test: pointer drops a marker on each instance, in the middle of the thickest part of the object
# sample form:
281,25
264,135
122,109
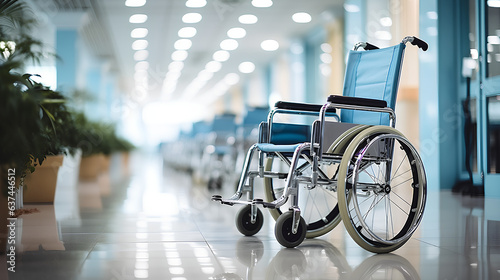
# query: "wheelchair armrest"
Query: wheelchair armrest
357,101
301,106
263,132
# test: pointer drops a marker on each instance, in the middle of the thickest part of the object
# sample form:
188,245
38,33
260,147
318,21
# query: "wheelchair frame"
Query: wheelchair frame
354,148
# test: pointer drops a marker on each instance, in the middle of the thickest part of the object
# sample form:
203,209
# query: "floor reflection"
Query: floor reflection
156,223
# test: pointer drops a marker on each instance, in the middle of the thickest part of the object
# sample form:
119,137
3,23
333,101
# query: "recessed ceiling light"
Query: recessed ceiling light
205,75
138,18
246,67
231,79
191,18
196,3
221,55
326,58
135,3
141,66
175,66
262,3
229,44
386,21
173,76
179,55
493,3
236,33
248,19
183,44
269,45
139,44
351,8
213,66
139,33
140,75
301,17
327,48
141,55
187,32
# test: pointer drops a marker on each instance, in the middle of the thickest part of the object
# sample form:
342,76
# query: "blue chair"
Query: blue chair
349,164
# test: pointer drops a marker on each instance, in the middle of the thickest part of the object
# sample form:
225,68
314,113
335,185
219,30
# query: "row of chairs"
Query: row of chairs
213,152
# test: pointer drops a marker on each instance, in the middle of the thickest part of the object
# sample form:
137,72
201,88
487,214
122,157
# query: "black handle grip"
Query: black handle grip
369,47
420,43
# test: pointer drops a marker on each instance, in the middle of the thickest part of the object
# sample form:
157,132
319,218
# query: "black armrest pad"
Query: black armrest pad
348,100
301,106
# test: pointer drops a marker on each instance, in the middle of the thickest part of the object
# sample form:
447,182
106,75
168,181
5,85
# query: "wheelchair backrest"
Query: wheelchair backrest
372,74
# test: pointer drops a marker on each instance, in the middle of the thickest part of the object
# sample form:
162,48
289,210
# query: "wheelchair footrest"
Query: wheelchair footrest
229,202
260,201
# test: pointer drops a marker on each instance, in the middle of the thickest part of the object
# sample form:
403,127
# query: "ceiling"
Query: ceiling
108,33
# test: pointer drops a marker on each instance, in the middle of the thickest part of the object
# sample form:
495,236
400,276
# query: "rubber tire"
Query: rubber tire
344,200
283,231
243,223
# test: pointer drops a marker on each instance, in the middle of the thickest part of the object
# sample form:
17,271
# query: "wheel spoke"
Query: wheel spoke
402,210
402,199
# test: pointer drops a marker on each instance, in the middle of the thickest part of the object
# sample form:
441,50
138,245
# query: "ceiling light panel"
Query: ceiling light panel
138,18
196,3
141,55
229,44
135,3
262,3
139,45
191,18
139,32
301,17
183,44
269,45
236,33
176,66
246,67
187,32
141,66
179,55
248,19
231,79
213,66
221,56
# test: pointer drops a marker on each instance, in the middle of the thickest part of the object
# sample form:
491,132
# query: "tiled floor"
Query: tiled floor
157,224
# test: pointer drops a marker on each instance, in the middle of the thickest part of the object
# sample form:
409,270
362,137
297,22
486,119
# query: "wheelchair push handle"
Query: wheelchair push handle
366,46
416,42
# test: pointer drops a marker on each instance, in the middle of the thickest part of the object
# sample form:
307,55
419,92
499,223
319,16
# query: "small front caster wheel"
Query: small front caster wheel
244,221
283,230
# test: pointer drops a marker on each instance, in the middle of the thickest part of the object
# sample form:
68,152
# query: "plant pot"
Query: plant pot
41,184
126,163
46,238
91,166
106,163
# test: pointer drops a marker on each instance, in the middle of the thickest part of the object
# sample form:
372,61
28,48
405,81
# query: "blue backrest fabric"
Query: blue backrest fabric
372,74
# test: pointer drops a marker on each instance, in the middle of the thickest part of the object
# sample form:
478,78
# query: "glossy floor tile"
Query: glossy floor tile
156,223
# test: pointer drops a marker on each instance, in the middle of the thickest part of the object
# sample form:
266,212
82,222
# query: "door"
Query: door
484,48
490,95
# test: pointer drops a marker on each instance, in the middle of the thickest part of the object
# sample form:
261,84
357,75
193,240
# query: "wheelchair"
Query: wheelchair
350,164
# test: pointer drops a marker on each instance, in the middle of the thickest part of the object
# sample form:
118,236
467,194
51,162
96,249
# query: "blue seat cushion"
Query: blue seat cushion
271,148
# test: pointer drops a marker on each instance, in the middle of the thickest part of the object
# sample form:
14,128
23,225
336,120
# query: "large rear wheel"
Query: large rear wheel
382,189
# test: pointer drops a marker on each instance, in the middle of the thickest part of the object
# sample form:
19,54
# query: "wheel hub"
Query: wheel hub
387,189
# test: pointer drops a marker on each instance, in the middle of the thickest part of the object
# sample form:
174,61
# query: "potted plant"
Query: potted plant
59,137
36,119
95,145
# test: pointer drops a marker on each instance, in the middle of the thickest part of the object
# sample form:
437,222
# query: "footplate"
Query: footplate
230,202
